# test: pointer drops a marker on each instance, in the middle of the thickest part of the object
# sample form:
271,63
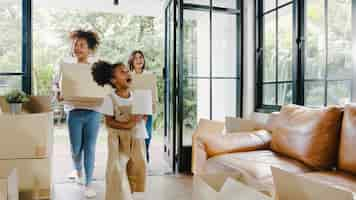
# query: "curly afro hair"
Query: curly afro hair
91,37
103,72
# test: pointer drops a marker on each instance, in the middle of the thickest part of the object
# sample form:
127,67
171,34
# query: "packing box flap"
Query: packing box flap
34,175
290,186
223,186
27,135
9,185
77,82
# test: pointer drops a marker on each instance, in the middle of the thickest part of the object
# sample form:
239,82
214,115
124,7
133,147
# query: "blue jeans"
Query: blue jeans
83,132
149,124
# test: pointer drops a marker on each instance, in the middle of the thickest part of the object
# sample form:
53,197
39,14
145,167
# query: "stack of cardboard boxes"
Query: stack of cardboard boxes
26,146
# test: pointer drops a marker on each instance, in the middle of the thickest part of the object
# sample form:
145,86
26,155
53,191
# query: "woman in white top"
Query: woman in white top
83,122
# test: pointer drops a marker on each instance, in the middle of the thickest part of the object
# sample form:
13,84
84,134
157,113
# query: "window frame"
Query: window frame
260,13
26,49
298,57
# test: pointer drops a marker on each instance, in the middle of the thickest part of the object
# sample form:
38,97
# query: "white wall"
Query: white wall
249,58
130,7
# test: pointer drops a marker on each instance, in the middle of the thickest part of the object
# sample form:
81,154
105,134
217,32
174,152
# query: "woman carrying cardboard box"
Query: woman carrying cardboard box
137,65
83,122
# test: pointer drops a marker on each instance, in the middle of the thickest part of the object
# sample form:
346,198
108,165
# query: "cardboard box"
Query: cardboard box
290,186
146,82
223,186
77,84
34,176
9,185
27,135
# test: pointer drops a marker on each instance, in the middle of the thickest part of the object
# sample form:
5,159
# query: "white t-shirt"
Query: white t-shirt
107,108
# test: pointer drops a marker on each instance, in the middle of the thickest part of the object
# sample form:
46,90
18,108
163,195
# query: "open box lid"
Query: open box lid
290,186
223,186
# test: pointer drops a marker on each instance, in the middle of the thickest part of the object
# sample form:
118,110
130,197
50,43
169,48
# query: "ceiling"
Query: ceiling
131,7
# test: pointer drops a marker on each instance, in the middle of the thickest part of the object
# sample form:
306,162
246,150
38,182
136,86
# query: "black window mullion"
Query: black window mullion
299,52
259,54
27,46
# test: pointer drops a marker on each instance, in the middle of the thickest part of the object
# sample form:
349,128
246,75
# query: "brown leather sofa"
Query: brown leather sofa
316,143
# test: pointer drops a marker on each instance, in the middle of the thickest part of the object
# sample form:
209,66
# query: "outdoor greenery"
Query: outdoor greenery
328,53
119,34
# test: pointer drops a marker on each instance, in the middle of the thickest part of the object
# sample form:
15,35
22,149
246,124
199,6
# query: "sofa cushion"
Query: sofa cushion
338,179
217,144
254,167
347,150
306,134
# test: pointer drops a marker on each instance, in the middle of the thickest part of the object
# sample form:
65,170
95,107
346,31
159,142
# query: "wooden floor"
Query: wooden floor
158,188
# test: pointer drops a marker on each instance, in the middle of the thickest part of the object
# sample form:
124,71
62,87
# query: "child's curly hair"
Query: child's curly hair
91,37
103,72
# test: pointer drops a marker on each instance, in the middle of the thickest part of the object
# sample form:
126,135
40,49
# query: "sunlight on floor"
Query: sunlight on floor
158,187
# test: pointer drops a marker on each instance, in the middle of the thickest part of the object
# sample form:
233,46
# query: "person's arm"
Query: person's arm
57,81
112,123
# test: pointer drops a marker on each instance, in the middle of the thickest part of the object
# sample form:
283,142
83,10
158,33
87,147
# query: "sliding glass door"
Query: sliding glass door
206,63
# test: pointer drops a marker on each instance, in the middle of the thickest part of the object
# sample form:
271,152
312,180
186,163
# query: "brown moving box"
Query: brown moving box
34,176
290,186
9,185
146,82
27,135
78,87
223,186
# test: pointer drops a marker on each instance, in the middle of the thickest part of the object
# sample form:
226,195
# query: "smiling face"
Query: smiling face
122,78
81,49
138,62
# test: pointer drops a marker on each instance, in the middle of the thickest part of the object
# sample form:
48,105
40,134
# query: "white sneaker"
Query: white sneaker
72,175
89,192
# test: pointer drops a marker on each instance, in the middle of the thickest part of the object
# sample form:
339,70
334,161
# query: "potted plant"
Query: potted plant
15,99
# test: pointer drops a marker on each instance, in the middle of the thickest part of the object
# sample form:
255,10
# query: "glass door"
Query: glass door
170,85
203,70
209,67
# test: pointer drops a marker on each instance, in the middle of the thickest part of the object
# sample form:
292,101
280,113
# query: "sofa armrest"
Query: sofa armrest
236,142
199,154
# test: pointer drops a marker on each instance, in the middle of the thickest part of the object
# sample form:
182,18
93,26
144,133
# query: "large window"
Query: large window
277,52
304,53
211,62
10,45
328,52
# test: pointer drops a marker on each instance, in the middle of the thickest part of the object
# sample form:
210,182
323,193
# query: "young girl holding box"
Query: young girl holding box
126,166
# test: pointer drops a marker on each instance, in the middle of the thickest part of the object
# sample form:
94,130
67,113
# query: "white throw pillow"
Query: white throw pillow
233,124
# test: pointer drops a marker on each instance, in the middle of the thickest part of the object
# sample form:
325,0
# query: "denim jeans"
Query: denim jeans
83,132
149,124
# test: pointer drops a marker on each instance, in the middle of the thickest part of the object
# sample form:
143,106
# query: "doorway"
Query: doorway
203,70
120,34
